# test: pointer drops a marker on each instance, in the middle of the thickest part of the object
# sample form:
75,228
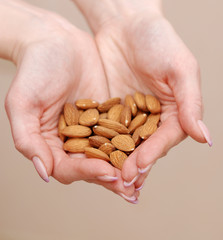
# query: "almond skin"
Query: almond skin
61,125
140,101
118,127
71,114
97,141
123,142
107,148
105,132
136,137
147,130
76,145
129,101
104,107
137,122
86,104
96,153
76,131
117,158
154,118
114,112
126,116
89,117
103,116
153,104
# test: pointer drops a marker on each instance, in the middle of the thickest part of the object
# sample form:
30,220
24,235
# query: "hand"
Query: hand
60,65
142,52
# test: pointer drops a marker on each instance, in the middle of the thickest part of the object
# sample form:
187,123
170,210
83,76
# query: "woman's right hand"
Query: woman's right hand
56,63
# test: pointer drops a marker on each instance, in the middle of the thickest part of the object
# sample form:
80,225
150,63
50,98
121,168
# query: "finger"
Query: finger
187,91
158,144
29,141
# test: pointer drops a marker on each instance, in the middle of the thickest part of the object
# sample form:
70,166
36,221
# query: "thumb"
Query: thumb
187,92
28,140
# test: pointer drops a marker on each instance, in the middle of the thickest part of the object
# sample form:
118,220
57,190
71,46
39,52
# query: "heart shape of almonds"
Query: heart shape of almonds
111,130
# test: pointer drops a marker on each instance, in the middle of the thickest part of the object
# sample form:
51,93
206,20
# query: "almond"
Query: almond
140,101
61,125
71,114
153,104
129,101
103,116
104,107
154,118
86,103
118,127
107,148
80,112
123,142
105,132
96,153
136,137
89,117
76,131
114,112
147,130
97,141
137,122
126,116
76,145
117,159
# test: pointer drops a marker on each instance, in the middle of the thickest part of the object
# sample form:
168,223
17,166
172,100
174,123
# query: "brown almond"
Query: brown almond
153,104
89,117
123,142
107,148
129,101
61,125
137,122
71,114
97,141
103,116
105,132
126,116
86,104
117,158
80,112
114,112
147,130
96,153
76,131
140,101
118,127
104,107
76,145
136,137
154,118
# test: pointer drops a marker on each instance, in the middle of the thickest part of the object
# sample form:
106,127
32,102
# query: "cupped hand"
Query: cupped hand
59,66
142,52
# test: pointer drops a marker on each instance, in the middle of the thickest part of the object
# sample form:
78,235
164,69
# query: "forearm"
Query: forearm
98,12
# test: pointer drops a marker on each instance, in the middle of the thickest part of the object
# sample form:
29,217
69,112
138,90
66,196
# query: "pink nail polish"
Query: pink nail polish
107,178
139,188
143,170
205,132
127,184
40,168
130,199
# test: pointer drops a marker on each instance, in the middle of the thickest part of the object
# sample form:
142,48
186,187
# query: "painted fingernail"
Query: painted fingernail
107,178
40,168
139,188
127,184
143,170
131,199
205,132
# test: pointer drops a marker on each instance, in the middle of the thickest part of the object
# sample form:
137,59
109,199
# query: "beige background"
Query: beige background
182,198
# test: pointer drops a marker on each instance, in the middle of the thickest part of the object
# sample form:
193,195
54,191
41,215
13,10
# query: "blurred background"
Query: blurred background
183,196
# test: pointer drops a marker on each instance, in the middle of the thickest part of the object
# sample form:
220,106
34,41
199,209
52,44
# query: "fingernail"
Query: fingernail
131,199
143,170
107,178
40,168
127,184
139,188
205,132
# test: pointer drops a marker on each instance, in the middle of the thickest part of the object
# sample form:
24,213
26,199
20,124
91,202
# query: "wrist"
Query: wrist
99,12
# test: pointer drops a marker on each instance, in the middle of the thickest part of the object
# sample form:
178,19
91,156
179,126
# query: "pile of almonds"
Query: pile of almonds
111,130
